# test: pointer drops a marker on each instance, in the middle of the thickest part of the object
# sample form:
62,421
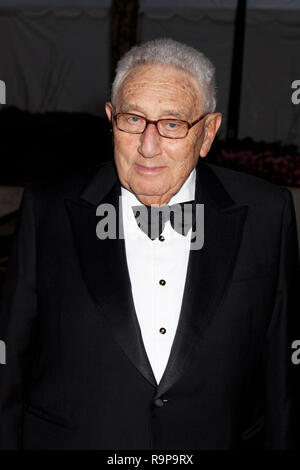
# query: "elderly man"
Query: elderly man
138,338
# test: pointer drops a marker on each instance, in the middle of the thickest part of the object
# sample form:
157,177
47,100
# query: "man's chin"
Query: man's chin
144,187
147,192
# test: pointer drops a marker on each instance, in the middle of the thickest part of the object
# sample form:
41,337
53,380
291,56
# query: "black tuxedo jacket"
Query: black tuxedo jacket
77,375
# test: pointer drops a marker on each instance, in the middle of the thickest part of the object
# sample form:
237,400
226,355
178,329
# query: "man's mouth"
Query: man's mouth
149,170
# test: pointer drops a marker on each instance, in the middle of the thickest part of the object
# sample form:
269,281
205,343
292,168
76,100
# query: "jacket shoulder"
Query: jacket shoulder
69,184
250,190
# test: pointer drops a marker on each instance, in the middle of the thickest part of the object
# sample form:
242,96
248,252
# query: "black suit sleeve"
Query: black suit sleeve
281,375
18,312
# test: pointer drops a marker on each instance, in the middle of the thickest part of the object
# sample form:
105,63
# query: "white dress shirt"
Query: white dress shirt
149,261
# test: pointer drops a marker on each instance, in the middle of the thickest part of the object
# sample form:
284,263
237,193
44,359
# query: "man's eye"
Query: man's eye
133,119
172,125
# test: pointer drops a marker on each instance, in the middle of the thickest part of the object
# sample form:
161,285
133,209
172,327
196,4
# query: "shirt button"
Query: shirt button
162,331
160,402
161,238
162,282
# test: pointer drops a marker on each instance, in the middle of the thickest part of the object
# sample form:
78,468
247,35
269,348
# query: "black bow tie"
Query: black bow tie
152,219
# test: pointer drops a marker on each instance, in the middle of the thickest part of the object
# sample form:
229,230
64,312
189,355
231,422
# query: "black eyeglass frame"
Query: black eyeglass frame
149,121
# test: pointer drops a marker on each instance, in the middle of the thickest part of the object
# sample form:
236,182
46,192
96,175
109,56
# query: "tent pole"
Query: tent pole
236,70
123,29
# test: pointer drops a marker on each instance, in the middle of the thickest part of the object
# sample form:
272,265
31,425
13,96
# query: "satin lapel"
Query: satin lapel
209,271
104,268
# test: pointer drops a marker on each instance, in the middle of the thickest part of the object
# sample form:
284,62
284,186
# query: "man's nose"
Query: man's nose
150,142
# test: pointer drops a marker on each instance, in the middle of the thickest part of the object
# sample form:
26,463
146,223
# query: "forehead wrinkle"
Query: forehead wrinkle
160,88
132,100
131,107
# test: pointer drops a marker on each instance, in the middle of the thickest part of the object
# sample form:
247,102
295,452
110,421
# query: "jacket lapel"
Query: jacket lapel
209,270
104,267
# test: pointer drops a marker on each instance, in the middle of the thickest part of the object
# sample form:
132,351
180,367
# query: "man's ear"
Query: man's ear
211,127
109,110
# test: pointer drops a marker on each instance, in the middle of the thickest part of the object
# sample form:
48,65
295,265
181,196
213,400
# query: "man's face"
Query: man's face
153,167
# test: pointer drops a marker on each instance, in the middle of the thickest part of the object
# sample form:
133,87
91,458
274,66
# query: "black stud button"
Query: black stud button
161,238
162,331
162,282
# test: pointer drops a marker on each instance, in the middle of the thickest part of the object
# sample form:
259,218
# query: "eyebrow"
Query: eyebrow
131,108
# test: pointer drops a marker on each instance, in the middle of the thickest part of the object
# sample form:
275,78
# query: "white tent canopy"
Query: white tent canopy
53,3
54,56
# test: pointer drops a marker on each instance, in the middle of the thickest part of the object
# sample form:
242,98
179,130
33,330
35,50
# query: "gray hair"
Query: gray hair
174,53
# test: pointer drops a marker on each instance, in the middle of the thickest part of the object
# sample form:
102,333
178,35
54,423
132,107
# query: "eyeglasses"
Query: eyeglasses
170,128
